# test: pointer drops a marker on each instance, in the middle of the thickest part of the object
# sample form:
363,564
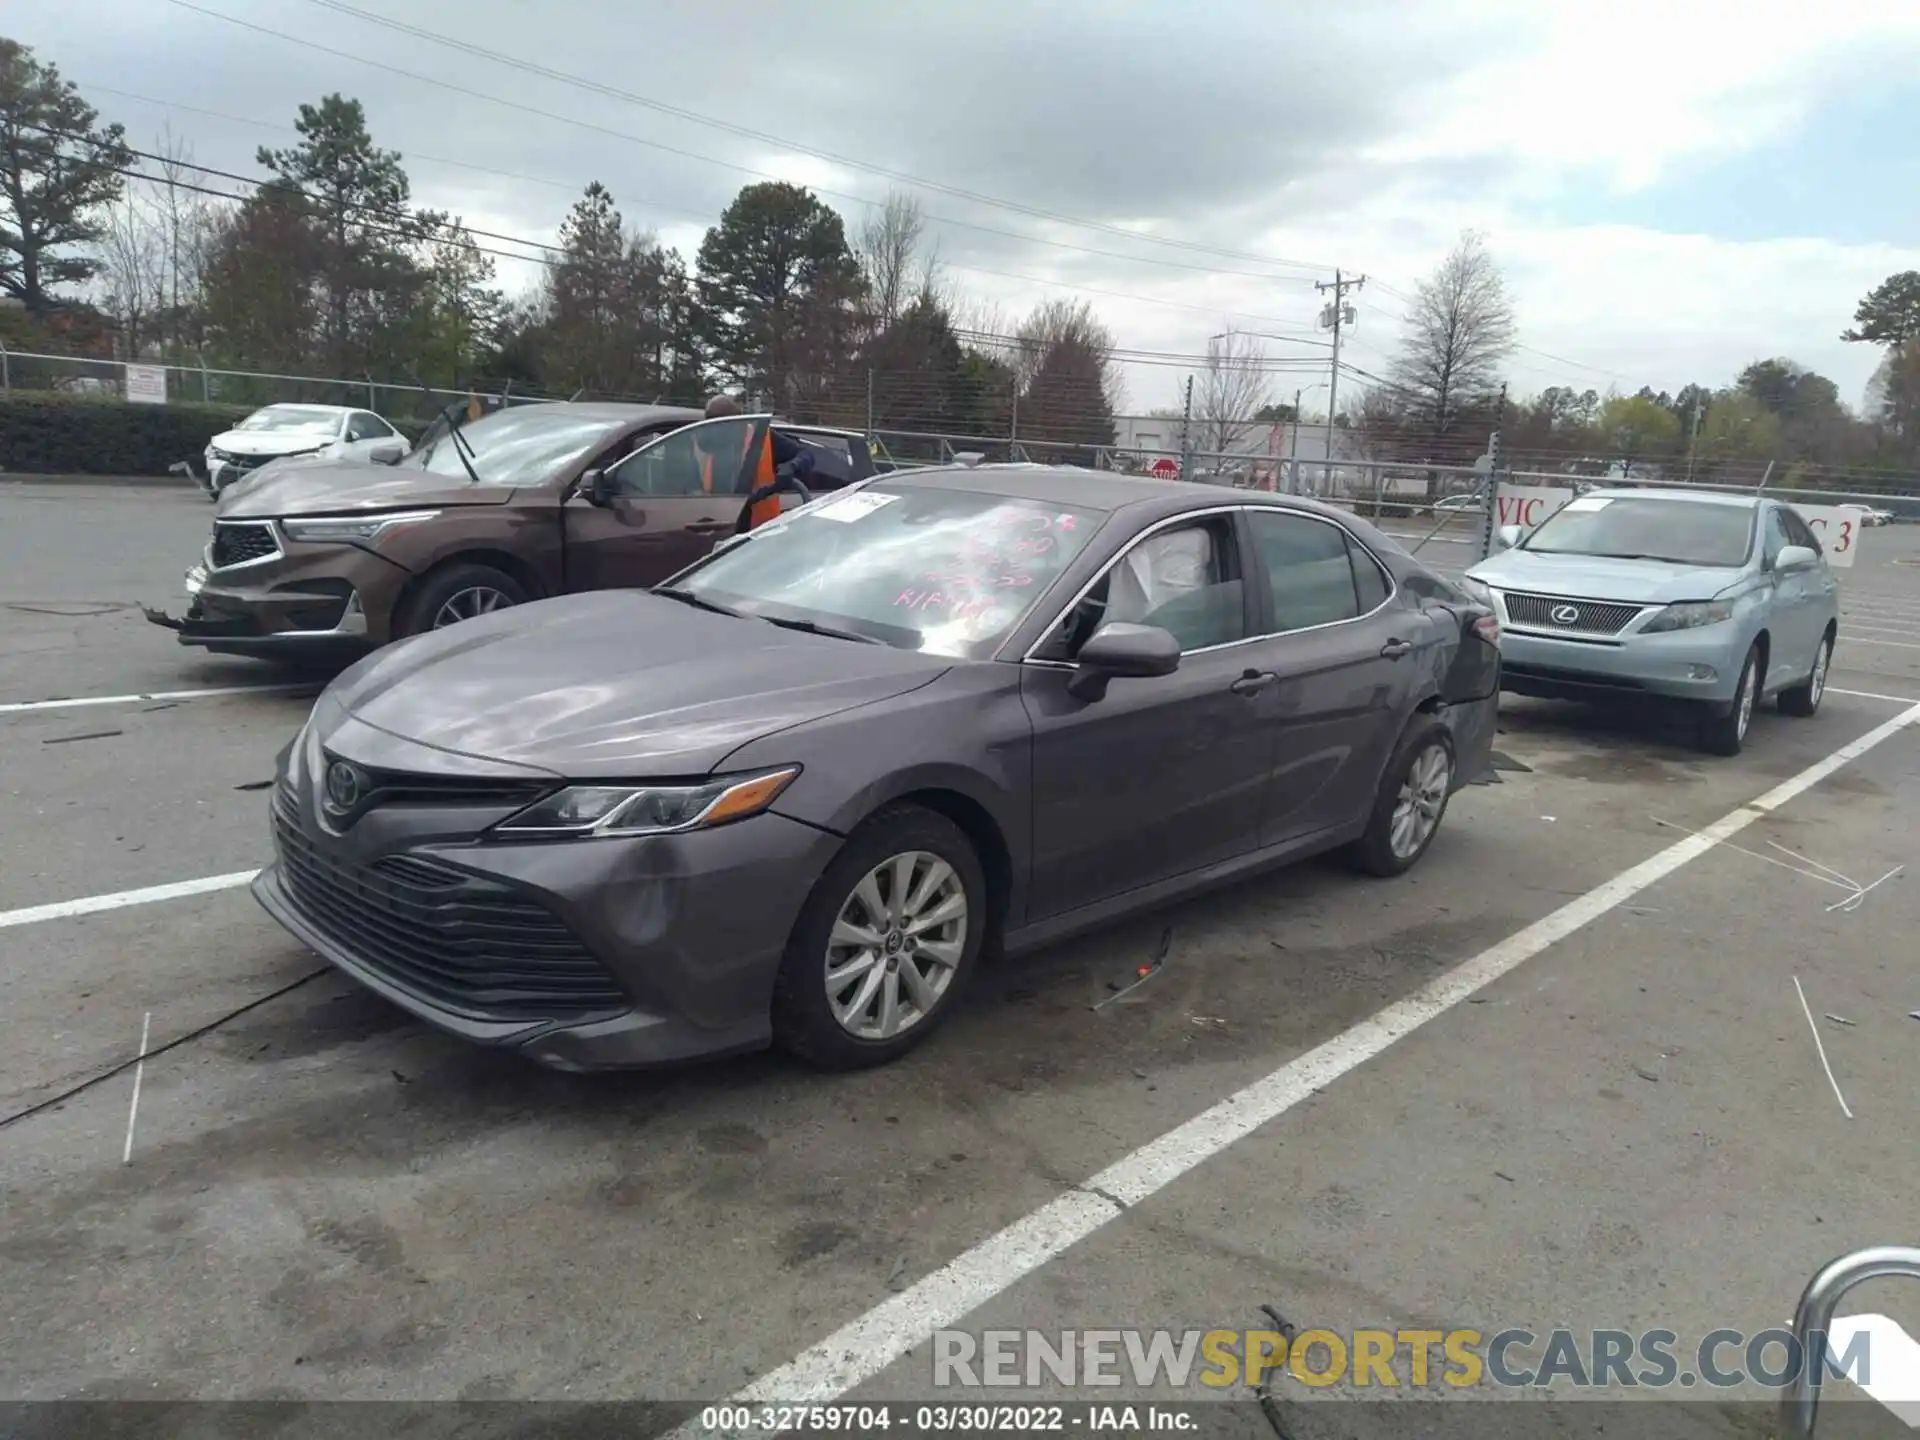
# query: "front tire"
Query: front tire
1726,734
884,944
1804,700
459,592
1412,800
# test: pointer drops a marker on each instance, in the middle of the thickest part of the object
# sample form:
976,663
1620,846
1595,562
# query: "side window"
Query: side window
1369,580
1309,569
702,459
362,426
1801,533
1777,538
1186,580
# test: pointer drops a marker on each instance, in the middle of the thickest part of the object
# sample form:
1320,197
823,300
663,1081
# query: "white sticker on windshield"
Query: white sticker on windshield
1590,502
848,508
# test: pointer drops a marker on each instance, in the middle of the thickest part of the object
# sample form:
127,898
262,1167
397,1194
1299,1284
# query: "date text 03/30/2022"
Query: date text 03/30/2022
934,1419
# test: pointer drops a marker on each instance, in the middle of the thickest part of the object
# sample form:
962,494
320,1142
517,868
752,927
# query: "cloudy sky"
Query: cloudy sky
1673,189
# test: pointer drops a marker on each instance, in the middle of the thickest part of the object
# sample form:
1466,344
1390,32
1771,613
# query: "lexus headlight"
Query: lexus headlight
591,811
1689,615
351,529
1478,589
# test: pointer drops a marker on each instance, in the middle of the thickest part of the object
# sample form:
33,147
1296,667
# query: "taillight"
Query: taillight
1487,627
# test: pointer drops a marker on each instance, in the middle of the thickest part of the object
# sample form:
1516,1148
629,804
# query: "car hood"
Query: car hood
1593,577
331,487
271,442
616,684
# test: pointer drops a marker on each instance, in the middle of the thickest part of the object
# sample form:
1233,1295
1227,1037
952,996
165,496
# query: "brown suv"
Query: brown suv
530,501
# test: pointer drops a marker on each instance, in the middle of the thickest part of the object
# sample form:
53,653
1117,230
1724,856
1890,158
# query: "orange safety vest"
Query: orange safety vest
768,509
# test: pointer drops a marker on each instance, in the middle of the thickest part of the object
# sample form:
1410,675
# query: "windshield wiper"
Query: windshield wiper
811,627
462,447
699,602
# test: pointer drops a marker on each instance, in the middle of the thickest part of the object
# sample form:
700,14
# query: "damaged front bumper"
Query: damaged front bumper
303,620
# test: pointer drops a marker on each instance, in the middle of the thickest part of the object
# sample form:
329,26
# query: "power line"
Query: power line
557,250
767,175
784,142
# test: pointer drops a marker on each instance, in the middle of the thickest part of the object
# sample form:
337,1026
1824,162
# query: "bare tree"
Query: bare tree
1234,386
132,273
1460,326
187,221
895,263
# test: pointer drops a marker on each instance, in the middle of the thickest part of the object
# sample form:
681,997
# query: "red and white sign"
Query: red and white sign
1165,468
1527,505
1838,530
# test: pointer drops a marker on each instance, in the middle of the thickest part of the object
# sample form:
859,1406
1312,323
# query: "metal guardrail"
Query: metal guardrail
1814,1315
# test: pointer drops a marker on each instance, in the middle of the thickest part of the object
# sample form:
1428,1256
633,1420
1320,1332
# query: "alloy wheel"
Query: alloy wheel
1820,662
466,604
1748,679
1423,795
896,945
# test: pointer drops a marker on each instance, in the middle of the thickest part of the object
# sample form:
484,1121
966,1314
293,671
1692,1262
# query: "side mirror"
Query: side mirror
594,485
1122,651
1795,557
1511,535
391,453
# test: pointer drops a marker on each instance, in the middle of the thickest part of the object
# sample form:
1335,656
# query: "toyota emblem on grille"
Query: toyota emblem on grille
1565,614
347,786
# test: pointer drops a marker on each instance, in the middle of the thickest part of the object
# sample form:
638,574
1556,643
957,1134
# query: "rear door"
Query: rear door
673,499
1346,655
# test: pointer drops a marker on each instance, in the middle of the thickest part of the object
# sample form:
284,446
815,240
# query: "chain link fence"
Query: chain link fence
1443,503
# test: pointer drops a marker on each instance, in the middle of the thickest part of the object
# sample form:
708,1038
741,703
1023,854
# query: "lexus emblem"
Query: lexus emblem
1565,614
346,787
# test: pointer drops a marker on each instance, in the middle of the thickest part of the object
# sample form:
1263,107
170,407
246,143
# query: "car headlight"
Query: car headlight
352,529
1478,589
1689,615
592,811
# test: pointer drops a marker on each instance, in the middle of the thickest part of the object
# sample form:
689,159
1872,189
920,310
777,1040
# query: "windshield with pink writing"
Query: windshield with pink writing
950,572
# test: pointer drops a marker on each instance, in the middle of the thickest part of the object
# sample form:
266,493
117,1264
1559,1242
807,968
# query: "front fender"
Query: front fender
966,734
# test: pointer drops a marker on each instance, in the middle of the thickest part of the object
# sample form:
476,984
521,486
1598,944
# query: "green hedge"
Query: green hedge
43,433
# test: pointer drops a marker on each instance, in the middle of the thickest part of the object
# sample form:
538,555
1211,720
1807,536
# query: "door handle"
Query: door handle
1394,649
1253,682
709,527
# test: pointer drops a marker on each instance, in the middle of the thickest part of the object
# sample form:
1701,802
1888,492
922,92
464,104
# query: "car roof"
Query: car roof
1654,492
312,405
1103,489
612,411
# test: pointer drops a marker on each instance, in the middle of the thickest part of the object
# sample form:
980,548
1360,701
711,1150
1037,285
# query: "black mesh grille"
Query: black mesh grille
1583,617
470,945
236,541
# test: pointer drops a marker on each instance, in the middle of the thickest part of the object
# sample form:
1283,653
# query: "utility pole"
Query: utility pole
1336,317
1693,437
1496,463
1186,433
1293,449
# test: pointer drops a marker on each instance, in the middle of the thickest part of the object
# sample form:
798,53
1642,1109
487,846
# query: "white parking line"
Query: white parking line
870,1343
1852,639
1874,695
120,899
15,707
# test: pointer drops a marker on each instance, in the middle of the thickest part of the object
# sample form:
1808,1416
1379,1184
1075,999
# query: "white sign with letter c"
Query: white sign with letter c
1838,531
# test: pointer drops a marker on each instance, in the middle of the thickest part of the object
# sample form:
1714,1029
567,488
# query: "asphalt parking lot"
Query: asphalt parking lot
1558,1075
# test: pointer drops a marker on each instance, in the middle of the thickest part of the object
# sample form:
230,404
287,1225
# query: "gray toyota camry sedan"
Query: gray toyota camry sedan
793,794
